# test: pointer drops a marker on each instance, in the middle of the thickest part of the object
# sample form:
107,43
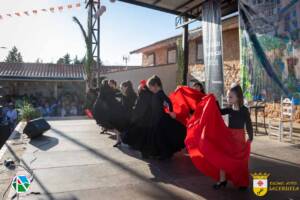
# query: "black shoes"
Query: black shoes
117,144
220,185
243,188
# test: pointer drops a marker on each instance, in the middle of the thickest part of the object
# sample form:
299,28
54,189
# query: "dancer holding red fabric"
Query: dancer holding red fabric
185,100
239,117
216,150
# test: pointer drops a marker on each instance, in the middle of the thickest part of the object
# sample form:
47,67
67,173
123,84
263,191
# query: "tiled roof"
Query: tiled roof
41,71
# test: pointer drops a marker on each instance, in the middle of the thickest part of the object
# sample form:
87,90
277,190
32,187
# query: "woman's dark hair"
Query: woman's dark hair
200,85
237,90
104,82
128,85
113,82
154,80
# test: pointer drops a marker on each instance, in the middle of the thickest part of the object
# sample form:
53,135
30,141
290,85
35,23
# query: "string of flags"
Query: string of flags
52,9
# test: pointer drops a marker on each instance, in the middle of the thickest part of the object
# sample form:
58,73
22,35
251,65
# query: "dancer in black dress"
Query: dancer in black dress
107,110
129,96
136,135
128,99
167,135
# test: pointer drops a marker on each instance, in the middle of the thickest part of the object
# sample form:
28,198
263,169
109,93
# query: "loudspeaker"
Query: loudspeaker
36,127
4,134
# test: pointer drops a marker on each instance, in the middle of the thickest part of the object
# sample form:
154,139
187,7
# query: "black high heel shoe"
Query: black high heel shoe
117,144
243,188
220,185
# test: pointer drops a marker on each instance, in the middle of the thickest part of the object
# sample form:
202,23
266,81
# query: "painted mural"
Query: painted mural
270,48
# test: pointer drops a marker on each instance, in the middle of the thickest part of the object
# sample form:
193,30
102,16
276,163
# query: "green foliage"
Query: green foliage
270,43
28,112
88,61
66,59
14,56
77,61
180,62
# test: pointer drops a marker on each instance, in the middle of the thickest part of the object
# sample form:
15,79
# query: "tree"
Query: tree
76,61
14,56
87,35
39,60
66,59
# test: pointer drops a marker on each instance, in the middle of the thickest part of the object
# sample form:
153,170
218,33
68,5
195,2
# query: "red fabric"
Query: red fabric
212,146
184,100
88,113
143,83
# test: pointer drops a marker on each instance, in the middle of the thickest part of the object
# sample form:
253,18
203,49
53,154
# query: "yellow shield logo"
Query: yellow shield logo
260,183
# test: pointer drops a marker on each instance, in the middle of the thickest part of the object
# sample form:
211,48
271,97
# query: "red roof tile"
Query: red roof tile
41,71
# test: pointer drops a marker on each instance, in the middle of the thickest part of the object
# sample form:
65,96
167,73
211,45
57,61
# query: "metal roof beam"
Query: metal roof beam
184,4
151,6
156,2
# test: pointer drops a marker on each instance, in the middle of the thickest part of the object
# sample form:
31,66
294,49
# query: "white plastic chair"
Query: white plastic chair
286,117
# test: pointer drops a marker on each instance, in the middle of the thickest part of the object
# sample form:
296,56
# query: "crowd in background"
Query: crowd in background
67,105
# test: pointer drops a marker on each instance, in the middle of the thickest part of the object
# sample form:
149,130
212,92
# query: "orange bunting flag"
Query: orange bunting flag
60,8
52,9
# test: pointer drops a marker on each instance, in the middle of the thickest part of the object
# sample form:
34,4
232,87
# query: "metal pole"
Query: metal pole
185,45
98,49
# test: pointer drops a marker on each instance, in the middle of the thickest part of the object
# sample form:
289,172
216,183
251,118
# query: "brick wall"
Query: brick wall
230,58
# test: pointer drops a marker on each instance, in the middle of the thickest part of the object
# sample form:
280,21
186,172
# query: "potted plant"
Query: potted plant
28,112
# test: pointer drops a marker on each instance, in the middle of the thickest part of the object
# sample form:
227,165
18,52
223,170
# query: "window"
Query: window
172,56
199,52
151,60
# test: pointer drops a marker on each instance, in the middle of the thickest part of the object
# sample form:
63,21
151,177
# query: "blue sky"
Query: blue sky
48,36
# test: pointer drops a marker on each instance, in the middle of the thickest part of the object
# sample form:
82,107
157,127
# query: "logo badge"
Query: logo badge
21,184
260,183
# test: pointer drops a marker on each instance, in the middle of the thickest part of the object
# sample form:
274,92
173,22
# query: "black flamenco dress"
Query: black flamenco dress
140,126
167,134
109,112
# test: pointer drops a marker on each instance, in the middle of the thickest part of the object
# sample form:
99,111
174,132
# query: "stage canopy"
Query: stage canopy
188,8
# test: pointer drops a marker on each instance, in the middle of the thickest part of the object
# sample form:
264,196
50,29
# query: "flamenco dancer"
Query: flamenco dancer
239,117
140,126
219,151
107,110
167,134
128,99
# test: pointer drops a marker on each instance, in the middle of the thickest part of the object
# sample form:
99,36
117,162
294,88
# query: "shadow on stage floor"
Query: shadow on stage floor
180,172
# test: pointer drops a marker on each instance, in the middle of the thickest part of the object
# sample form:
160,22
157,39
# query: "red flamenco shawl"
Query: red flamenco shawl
213,146
185,100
